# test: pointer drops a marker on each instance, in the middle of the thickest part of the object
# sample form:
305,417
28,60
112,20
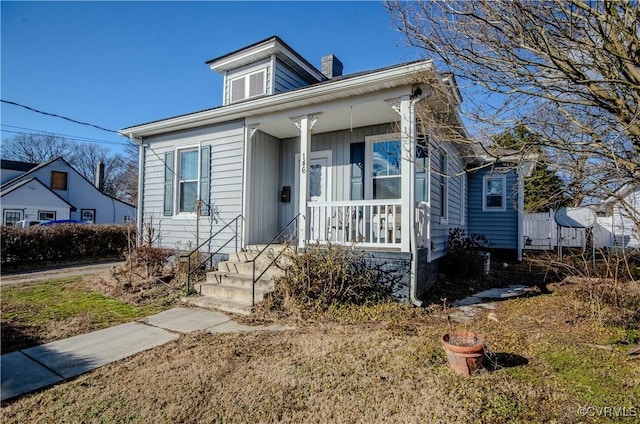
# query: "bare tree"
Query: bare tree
567,70
33,148
120,170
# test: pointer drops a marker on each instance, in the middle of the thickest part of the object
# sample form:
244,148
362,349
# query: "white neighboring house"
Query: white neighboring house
55,190
620,228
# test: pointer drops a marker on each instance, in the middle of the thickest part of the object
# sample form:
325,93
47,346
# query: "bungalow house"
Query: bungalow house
348,158
54,190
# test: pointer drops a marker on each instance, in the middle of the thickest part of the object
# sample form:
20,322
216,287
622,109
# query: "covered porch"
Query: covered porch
350,169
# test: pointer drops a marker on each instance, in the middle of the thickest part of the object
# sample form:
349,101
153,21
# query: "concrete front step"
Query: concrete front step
226,305
246,268
239,280
223,291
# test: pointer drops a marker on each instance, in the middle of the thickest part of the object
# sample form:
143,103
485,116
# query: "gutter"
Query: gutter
305,96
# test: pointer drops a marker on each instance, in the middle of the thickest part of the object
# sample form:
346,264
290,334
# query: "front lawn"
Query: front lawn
37,313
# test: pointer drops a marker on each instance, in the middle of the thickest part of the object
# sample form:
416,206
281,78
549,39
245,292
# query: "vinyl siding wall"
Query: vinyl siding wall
500,227
262,211
287,79
339,143
457,207
179,231
33,200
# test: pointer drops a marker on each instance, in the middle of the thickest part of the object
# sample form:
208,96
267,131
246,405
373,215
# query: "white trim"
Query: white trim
246,77
369,141
444,181
4,215
176,180
311,95
503,206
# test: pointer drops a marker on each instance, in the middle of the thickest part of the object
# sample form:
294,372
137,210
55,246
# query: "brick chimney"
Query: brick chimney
331,66
100,176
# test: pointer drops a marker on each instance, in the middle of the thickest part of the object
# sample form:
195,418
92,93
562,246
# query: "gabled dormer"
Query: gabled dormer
266,67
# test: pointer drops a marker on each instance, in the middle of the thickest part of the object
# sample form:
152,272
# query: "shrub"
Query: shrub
330,275
62,243
462,258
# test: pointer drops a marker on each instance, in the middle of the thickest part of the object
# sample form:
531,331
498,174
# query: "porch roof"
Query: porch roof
350,86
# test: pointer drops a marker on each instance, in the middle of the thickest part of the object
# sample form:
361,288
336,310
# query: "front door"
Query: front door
319,190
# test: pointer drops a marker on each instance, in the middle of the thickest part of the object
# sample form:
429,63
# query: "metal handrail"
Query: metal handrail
190,272
255,279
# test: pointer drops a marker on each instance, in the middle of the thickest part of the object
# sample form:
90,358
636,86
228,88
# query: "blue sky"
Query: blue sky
117,64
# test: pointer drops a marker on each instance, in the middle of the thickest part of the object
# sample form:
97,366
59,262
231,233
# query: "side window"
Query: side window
386,169
191,176
187,180
58,180
444,186
494,193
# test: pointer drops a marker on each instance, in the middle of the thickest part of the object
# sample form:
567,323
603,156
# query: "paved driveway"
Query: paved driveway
63,272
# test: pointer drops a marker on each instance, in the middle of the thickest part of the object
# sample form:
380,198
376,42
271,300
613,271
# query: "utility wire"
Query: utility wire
33,131
58,116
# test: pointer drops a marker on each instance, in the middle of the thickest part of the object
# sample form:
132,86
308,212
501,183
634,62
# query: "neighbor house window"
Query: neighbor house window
494,193
383,167
58,180
11,217
248,85
444,186
88,216
46,215
189,171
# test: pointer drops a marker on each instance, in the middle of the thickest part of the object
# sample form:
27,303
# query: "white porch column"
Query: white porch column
407,171
250,130
305,124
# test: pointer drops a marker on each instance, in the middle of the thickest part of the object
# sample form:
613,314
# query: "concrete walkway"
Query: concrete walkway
31,369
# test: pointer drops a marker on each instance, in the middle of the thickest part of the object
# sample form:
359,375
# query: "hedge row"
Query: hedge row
66,242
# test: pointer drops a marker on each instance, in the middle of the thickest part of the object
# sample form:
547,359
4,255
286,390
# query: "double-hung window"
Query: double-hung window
248,85
384,157
187,178
494,193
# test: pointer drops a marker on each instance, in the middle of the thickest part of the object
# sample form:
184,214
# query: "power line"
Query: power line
55,115
67,136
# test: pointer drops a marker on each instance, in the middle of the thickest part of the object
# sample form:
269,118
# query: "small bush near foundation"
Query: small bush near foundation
462,258
322,277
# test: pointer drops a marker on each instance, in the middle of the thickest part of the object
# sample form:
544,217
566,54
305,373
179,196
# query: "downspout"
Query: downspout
413,247
139,212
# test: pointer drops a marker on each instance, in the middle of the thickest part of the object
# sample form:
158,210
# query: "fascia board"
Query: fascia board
310,95
230,62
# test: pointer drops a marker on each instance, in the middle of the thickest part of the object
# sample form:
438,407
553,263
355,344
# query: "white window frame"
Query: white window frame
93,215
503,206
177,180
444,187
46,219
370,141
247,85
5,211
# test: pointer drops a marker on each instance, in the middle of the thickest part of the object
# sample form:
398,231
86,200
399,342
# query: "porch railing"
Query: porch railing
295,223
368,223
196,255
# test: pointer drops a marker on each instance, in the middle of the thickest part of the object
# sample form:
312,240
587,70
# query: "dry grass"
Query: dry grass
380,364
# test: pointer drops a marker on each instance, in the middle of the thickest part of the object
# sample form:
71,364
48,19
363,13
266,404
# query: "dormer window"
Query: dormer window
249,85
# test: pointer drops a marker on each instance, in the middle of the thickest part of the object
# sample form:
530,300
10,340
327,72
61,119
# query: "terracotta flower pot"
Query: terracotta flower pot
465,351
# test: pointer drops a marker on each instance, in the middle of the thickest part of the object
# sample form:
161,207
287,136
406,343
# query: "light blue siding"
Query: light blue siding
262,213
227,147
287,79
500,227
